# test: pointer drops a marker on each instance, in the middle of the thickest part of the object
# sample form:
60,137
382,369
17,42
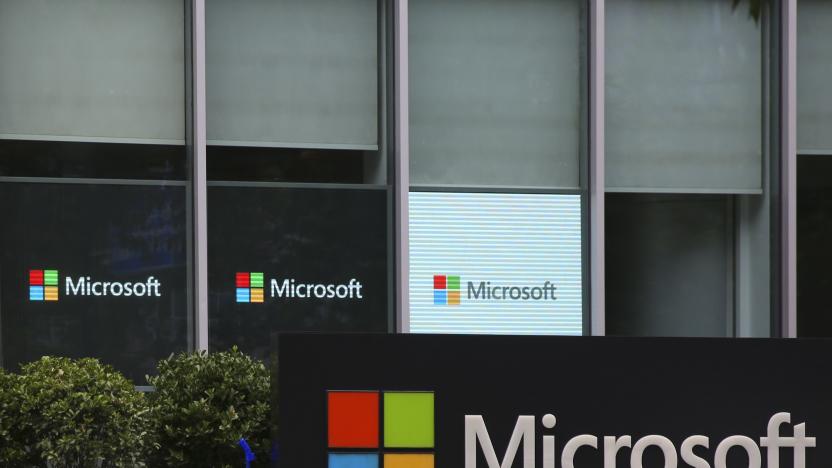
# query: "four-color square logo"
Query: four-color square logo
43,285
445,290
249,287
380,429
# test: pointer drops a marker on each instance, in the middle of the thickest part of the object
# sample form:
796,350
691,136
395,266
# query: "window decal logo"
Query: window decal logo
43,285
250,287
371,429
446,290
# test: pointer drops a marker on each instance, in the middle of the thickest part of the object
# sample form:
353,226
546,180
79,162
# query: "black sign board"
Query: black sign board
93,270
417,401
295,259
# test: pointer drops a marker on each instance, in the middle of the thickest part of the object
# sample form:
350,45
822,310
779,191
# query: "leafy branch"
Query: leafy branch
755,7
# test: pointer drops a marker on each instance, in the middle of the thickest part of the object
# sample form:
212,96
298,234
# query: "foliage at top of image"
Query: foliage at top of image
64,413
205,403
755,7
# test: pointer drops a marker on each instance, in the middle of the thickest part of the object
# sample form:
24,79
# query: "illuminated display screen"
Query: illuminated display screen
495,263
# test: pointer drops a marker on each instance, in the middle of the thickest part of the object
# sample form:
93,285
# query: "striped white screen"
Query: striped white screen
509,240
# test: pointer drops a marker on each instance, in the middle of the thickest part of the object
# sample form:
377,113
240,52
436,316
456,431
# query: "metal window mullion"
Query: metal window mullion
596,187
401,183
788,168
198,176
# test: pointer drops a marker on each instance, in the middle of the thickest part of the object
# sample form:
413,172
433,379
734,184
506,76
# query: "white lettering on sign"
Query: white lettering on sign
476,434
85,286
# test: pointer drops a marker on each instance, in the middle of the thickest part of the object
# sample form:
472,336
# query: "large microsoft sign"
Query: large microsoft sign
495,263
461,401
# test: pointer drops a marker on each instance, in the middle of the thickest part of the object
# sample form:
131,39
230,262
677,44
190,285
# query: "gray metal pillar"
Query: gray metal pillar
401,184
198,177
788,168
596,187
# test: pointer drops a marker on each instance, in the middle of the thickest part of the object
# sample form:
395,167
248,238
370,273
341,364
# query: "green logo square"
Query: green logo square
50,277
256,280
408,419
453,283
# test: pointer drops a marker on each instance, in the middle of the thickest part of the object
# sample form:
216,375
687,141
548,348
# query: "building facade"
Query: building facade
179,175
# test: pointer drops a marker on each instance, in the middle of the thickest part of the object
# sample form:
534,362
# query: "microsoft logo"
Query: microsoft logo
43,285
249,287
445,290
370,429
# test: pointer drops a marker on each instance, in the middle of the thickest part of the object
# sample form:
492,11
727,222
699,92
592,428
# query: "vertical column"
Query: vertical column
596,168
401,183
198,176
788,168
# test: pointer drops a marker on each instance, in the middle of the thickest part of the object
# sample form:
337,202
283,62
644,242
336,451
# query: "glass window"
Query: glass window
495,92
689,233
814,146
297,170
293,91
814,251
496,138
293,73
684,97
92,70
117,287
814,66
93,182
295,259
669,265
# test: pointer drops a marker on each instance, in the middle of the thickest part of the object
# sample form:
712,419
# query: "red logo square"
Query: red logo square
353,419
36,277
439,282
243,280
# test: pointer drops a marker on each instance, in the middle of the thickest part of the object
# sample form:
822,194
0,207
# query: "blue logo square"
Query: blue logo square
35,293
243,295
440,297
353,460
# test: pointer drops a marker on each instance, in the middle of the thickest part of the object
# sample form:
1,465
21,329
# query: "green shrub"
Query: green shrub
204,403
12,450
79,414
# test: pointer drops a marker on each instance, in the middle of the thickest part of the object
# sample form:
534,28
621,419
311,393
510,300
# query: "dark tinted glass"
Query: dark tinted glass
814,250
25,158
668,264
93,271
262,164
285,259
